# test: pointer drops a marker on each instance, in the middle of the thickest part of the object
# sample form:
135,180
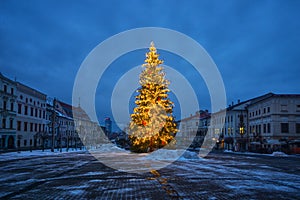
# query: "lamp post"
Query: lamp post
53,124
60,137
242,130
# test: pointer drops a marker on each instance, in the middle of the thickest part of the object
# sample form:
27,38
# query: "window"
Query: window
259,128
11,90
297,127
4,105
268,128
44,114
26,110
21,97
40,114
255,112
40,127
25,126
268,109
284,108
298,107
259,111
25,143
5,88
26,100
11,123
264,110
36,112
31,127
19,125
19,108
43,127
11,106
3,123
284,127
31,111
30,142
265,128
35,127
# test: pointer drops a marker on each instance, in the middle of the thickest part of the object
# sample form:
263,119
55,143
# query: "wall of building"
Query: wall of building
31,117
275,118
7,113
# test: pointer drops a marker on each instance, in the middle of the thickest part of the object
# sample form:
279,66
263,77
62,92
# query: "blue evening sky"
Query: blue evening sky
254,43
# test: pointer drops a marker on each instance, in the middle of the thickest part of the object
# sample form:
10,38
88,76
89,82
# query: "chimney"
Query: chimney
239,101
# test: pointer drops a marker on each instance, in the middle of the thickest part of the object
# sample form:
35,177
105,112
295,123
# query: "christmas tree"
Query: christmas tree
152,125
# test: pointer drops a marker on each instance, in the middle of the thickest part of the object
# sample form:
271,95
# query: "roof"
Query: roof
67,108
275,95
199,115
79,113
30,91
249,101
7,79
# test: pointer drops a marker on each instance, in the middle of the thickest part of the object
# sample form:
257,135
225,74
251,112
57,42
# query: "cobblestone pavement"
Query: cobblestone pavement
218,176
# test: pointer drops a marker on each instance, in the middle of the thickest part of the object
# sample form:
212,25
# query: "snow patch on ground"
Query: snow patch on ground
166,154
161,154
94,173
108,148
276,153
24,154
279,154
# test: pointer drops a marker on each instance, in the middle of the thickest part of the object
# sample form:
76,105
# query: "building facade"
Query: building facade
274,121
31,117
194,128
7,113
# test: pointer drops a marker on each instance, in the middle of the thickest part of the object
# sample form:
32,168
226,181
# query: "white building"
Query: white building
274,121
234,134
31,117
7,113
194,128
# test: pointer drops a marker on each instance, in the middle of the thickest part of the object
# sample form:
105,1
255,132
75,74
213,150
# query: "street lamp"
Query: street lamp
242,131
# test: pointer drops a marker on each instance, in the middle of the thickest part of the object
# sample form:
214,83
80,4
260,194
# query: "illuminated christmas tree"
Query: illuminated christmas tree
152,125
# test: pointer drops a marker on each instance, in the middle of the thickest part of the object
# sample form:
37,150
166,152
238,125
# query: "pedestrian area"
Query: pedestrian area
80,175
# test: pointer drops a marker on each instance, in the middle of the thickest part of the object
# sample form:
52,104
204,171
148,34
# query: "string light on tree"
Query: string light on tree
152,125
